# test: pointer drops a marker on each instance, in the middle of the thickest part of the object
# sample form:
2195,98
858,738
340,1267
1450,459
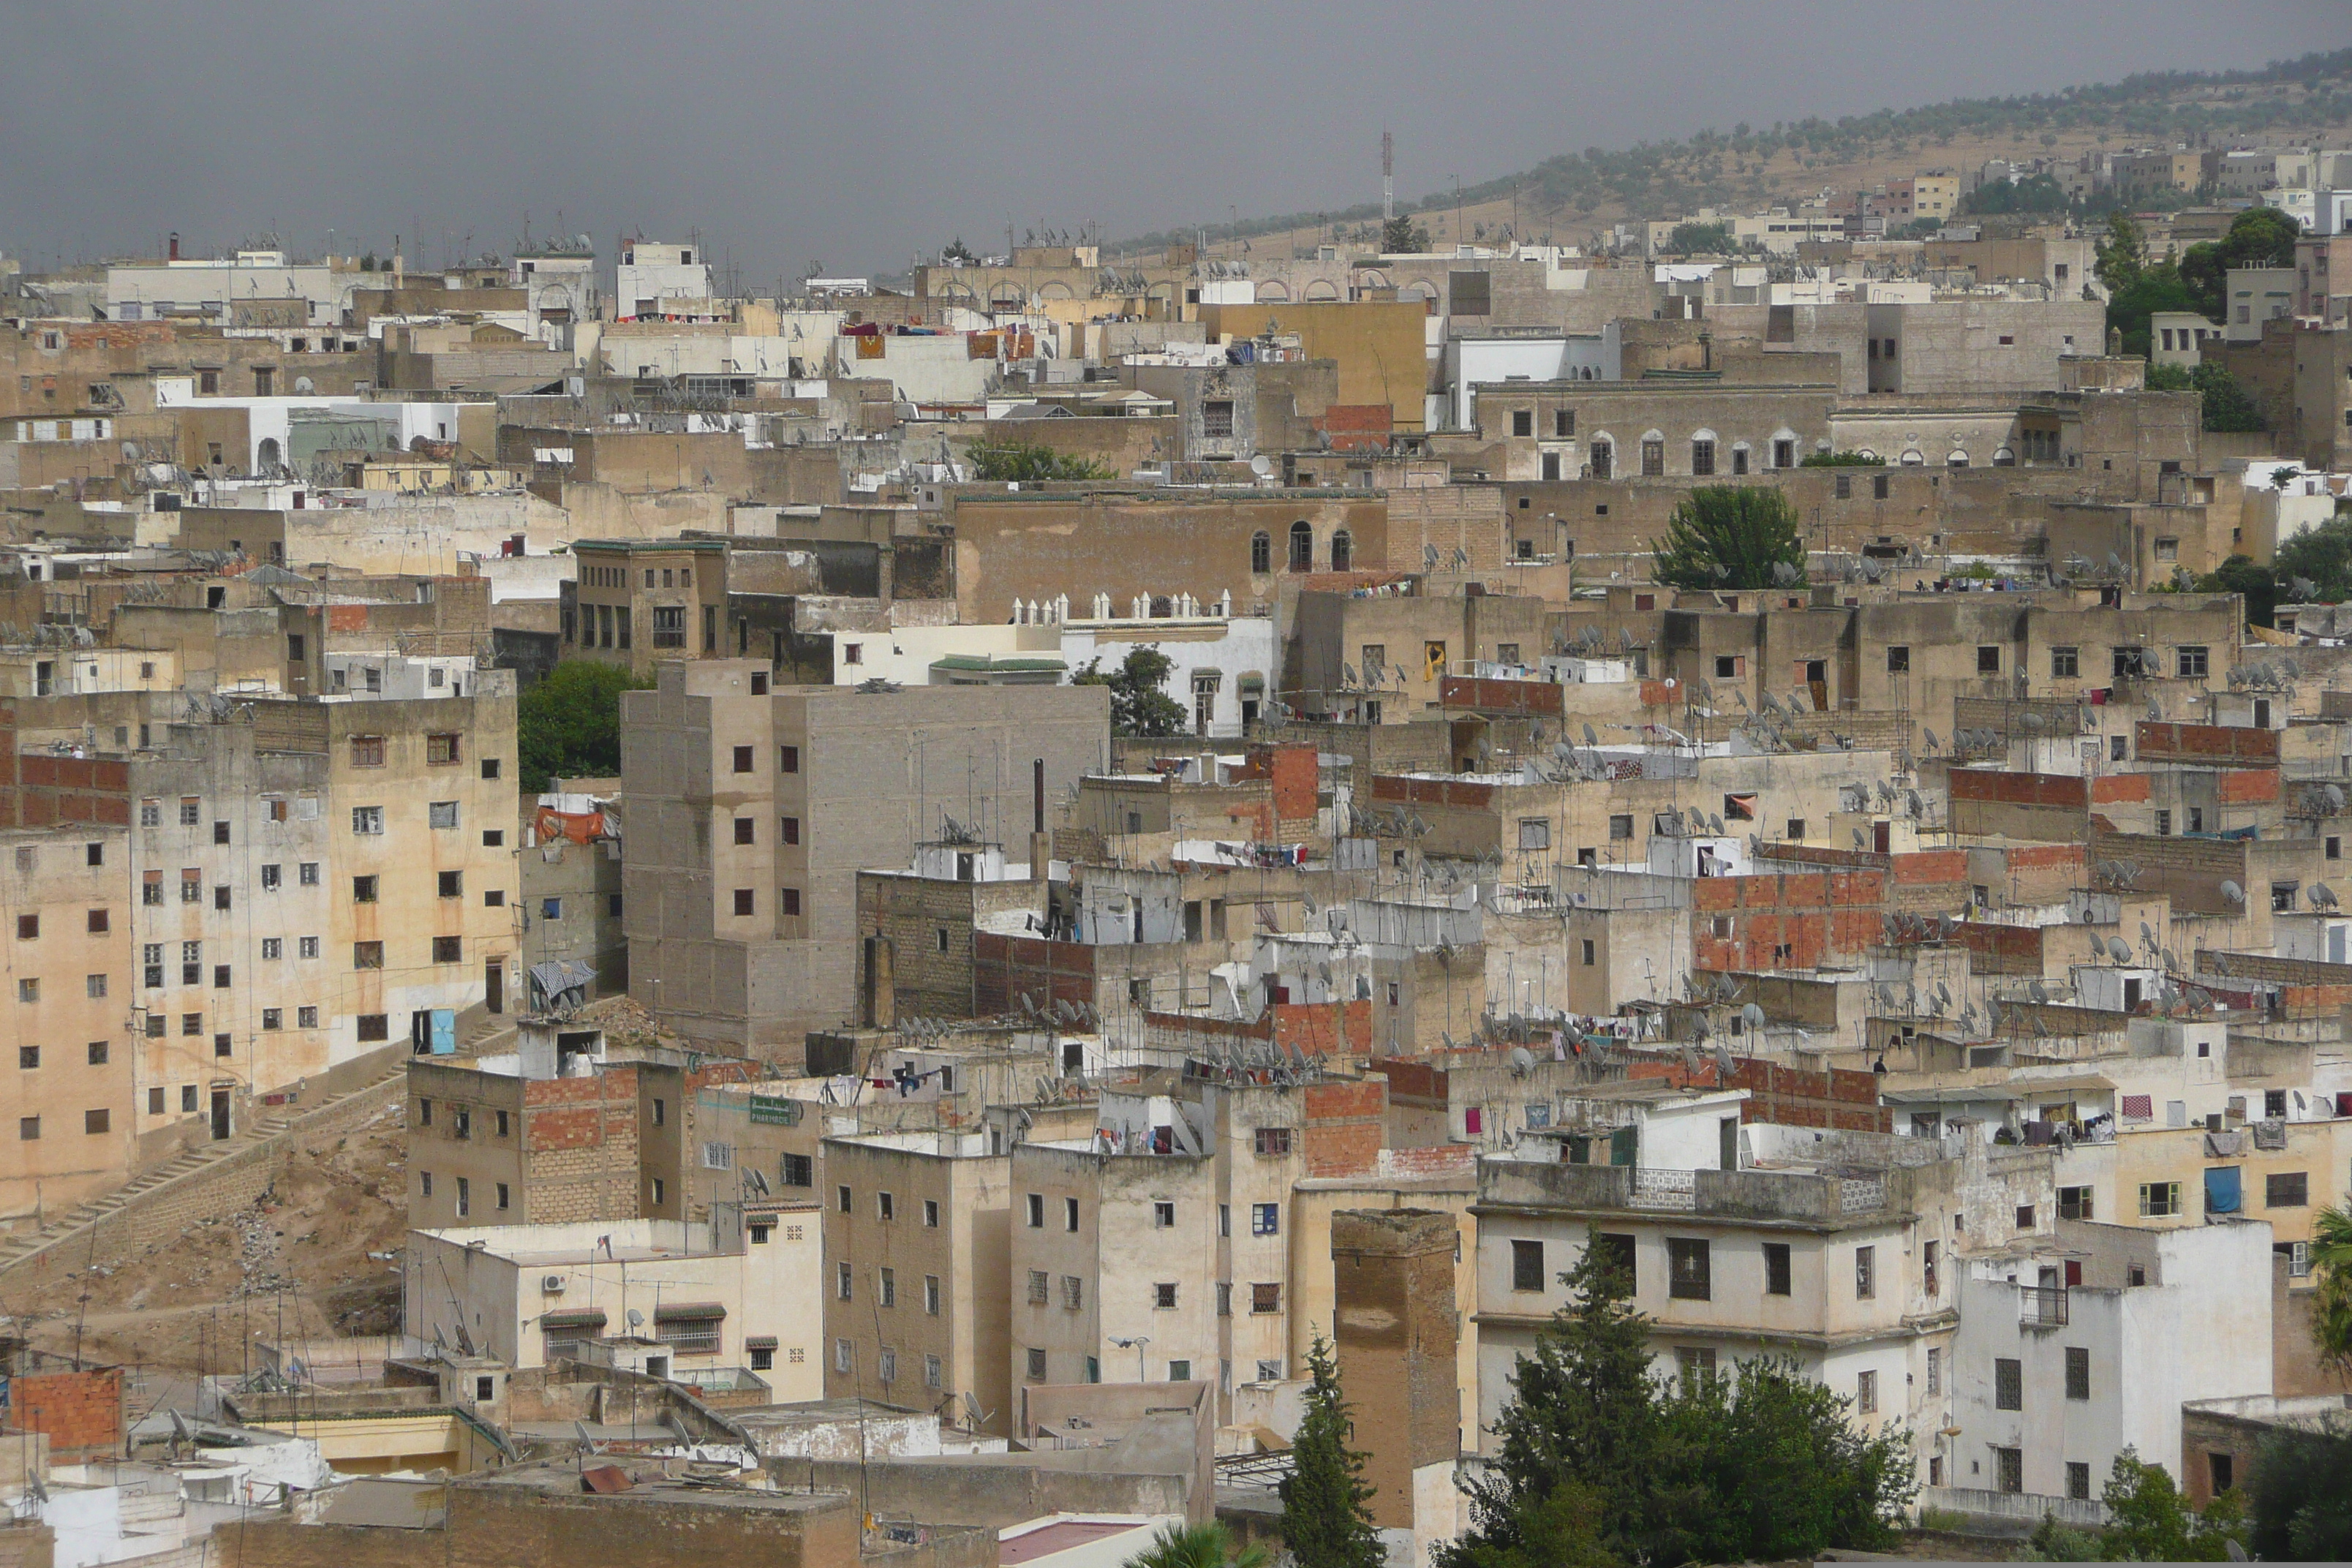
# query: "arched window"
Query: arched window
1957,460
1261,552
1603,455
269,453
1342,551
1302,547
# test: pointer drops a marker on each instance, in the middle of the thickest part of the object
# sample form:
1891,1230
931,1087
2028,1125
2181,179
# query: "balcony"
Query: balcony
2042,1306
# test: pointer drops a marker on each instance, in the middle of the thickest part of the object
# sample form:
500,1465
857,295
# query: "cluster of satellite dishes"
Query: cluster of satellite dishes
2122,875
1967,743
1245,1060
46,635
2078,565
2324,800
1385,822
1590,642
2265,676
1373,679
1689,823
1431,558
1058,1014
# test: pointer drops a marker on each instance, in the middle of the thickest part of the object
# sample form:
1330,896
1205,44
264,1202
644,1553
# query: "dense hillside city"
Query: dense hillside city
1164,904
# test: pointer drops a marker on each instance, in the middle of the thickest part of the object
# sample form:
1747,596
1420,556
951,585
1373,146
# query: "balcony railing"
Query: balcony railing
2042,1306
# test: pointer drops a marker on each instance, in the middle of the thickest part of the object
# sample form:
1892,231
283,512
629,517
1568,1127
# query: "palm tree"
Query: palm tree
2331,1260
1208,1545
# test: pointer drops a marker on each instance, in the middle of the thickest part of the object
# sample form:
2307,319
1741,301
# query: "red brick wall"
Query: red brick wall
1794,1098
1542,699
2018,789
1324,1029
2248,785
1407,1076
1346,1125
2117,788
1006,966
2002,950
2219,745
1816,916
80,1410
1431,791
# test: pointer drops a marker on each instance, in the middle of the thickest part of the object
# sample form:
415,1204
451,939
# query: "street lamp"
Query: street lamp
1135,1344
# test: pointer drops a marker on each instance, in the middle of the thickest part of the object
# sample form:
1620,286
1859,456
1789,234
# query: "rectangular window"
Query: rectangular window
1271,1141
2075,1203
1036,1210
1865,1394
441,750
2066,663
1535,833
1935,1371
367,751
2078,1371
1526,1266
367,955
2009,1469
1163,1296
1775,1268
2190,661
1265,1219
2078,1479
2285,1190
367,820
1036,1365
2008,1384
1689,1276
888,1284
1865,1273
1988,659
1265,1297
364,890
1069,1216
931,1295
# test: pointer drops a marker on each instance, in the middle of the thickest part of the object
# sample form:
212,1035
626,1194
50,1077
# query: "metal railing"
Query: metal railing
2042,1306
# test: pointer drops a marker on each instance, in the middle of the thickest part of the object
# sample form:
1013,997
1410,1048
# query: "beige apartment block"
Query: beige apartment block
67,980
1114,1266
752,809
915,1275
688,1302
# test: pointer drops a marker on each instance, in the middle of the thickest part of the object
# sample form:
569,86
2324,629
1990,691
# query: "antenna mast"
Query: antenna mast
1388,177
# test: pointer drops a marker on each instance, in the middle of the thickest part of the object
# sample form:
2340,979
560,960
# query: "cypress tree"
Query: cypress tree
1325,1523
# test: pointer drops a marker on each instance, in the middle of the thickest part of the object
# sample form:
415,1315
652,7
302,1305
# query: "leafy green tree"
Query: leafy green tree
2145,291
1730,536
1028,463
2055,1542
2119,258
1325,1522
2149,1518
957,250
2227,406
1584,1412
2331,1264
1785,1471
1701,238
2301,1501
568,724
1208,1545
2169,378
2321,555
1138,704
2259,237
1598,1458
1400,235
1841,461
2244,574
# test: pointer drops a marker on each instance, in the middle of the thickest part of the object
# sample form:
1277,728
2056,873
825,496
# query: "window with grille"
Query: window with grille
689,1336
2008,1384
1865,1394
367,751
1526,1266
2009,1470
669,626
1689,1269
1040,1282
1036,1367
1265,1297
2078,1371
1163,1296
1073,1292
2286,1190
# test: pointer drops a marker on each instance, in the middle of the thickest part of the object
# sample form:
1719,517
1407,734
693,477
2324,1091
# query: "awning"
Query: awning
760,1343
1739,807
590,1318
1252,680
688,1310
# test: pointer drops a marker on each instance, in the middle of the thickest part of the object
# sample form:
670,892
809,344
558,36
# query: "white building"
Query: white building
151,290
2068,1352
657,280
744,1291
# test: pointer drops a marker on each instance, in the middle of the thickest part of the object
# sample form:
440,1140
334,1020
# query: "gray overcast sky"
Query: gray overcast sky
858,135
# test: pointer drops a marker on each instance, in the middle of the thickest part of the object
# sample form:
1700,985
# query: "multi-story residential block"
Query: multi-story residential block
752,808
680,1300
916,1282
2071,1351
64,990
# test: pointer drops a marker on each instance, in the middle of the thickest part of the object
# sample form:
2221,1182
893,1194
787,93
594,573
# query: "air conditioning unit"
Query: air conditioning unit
553,1284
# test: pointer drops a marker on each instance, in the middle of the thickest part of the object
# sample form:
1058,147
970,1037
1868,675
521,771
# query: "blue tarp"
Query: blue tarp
2221,1189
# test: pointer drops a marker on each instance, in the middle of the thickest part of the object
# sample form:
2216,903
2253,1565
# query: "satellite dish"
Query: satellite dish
636,1319
1261,465
2117,950
1522,1060
1752,1015
2234,893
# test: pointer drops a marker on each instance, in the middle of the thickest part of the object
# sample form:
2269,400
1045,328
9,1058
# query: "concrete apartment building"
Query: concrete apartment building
916,1282
2070,1352
752,809
65,982
682,1300
1854,1275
